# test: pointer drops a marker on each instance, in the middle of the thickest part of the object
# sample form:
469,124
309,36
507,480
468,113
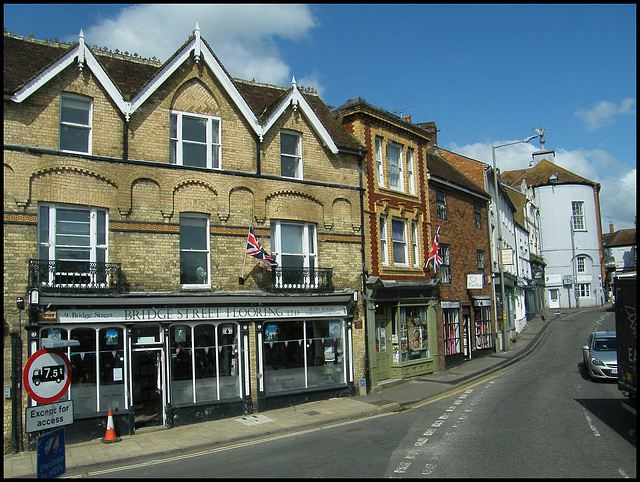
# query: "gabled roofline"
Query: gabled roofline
296,99
200,49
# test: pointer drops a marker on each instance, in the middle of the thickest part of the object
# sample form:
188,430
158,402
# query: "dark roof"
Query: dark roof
442,170
539,175
25,58
622,237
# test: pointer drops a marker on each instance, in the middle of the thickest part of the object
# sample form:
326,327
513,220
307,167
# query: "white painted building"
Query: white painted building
570,226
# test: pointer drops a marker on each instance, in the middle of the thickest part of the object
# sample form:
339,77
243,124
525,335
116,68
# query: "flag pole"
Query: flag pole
241,279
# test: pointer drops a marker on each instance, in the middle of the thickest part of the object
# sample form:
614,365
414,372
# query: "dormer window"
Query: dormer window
75,123
195,140
290,154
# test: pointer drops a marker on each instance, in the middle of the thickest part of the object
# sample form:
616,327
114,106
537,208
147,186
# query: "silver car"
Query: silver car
600,355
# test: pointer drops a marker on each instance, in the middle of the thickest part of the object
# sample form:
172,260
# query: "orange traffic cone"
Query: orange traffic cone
111,431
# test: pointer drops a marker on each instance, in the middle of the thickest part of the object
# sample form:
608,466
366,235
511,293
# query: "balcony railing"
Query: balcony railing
75,276
302,280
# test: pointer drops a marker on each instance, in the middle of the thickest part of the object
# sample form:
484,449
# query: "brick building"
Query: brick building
400,299
459,210
129,190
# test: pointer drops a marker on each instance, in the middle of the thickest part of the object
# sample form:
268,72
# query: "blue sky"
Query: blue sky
485,74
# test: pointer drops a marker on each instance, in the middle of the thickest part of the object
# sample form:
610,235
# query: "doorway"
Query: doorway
466,331
554,298
147,382
383,345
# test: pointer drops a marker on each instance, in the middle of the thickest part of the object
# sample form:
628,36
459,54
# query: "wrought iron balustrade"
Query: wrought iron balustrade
302,280
75,276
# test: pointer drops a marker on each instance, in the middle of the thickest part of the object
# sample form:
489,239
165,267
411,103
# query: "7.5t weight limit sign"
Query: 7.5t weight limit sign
47,375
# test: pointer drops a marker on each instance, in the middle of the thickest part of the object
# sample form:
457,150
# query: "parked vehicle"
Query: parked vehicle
600,355
625,293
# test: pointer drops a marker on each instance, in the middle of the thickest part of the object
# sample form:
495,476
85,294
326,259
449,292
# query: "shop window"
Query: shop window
205,362
300,355
75,123
228,360
204,356
111,368
413,343
181,365
195,140
83,386
452,343
482,320
194,251
284,356
325,353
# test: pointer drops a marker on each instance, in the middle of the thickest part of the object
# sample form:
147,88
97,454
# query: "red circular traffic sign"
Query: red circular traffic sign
47,375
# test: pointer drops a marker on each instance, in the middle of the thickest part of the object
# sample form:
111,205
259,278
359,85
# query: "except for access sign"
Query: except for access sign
47,375
44,417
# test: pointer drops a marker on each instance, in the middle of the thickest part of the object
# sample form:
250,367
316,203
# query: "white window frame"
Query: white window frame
445,267
49,247
399,166
379,162
206,251
400,243
414,244
581,264
577,218
309,254
212,145
584,290
410,175
63,123
384,241
297,157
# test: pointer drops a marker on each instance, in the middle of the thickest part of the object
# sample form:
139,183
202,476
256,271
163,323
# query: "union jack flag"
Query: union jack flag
257,251
433,254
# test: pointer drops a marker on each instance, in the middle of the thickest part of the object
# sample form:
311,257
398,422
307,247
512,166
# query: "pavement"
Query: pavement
393,395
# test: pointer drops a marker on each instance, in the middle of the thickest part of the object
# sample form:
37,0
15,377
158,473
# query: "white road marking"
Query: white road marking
593,427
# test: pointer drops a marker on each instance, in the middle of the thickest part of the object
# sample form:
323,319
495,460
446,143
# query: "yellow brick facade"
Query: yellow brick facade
145,195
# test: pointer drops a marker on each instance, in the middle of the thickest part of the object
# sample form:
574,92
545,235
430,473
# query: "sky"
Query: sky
486,75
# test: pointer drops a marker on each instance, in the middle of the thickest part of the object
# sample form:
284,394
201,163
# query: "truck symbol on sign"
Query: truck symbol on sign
48,374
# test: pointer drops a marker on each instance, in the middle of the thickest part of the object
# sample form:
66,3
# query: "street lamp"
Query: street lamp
500,240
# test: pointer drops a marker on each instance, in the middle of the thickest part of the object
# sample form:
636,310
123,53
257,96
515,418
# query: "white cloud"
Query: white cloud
604,113
241,35
617,181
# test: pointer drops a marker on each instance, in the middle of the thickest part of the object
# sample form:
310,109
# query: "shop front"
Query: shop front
169,361
403,332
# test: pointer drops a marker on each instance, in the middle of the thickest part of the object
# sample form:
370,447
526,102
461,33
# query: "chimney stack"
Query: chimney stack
611,227
408,118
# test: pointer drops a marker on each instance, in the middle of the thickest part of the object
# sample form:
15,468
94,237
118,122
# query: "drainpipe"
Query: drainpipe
125,139
365,298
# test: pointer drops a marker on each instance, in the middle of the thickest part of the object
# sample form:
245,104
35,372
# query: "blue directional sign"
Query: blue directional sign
51,457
